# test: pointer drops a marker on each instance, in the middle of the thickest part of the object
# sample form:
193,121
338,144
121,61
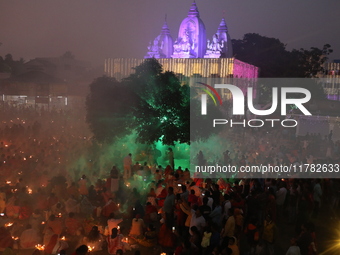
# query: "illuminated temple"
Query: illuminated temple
191,54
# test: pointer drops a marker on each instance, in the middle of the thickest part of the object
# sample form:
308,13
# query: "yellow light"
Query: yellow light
8,224
15,238
63,238
40,247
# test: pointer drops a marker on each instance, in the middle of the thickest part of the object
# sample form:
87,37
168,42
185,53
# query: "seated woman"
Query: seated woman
152,197
55,245
150,237
166,237
94,239
115,242
6,240
151,213
29,237
137,227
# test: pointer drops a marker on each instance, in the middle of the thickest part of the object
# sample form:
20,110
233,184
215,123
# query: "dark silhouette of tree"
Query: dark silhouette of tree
162,111
9,65
150,102
68,55
109,109
274,61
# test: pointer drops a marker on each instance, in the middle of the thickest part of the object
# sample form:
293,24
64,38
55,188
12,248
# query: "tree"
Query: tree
68,55
153,104
109,109
9,65
271,56
274,61
310,62
162,111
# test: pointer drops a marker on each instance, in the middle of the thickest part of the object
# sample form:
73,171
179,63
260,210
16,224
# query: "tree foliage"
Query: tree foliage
151,102
9,65
109,109
274,61
68,55
162,111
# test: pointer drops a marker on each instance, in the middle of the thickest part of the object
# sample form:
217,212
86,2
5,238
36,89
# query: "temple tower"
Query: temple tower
162,46
191,41
220,46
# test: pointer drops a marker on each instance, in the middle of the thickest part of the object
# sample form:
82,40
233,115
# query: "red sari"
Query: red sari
165,237
114,244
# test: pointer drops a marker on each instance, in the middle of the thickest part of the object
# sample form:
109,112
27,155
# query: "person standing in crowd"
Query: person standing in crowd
229,229
280,199
317,194
169,207
268,235
171,158
293,249
127,166
83,186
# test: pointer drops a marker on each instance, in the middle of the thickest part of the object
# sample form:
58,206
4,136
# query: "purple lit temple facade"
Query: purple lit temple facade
192,40
191,54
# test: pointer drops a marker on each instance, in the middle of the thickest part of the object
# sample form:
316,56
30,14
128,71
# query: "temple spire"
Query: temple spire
193,12
165,28
223,26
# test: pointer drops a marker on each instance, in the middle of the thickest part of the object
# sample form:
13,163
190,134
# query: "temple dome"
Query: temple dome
162,46
222,33
191,41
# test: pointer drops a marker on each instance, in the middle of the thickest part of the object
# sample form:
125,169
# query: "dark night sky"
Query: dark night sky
96,29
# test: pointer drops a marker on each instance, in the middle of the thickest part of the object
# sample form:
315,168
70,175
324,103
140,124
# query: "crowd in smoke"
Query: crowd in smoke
59,195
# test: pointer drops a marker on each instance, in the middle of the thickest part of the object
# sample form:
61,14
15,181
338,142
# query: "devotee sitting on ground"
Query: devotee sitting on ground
29,237
137,227
55,224
94,239
150,213
81,250
6,240
72,224
36,219
71,205
55,245
112,222
150,237
115,242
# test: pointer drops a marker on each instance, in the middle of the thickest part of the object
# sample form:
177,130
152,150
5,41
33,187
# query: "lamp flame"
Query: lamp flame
40,247
8,224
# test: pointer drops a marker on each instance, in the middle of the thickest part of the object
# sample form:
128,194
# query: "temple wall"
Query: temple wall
199,67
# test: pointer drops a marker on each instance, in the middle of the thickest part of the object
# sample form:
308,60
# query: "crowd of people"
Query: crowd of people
60,196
